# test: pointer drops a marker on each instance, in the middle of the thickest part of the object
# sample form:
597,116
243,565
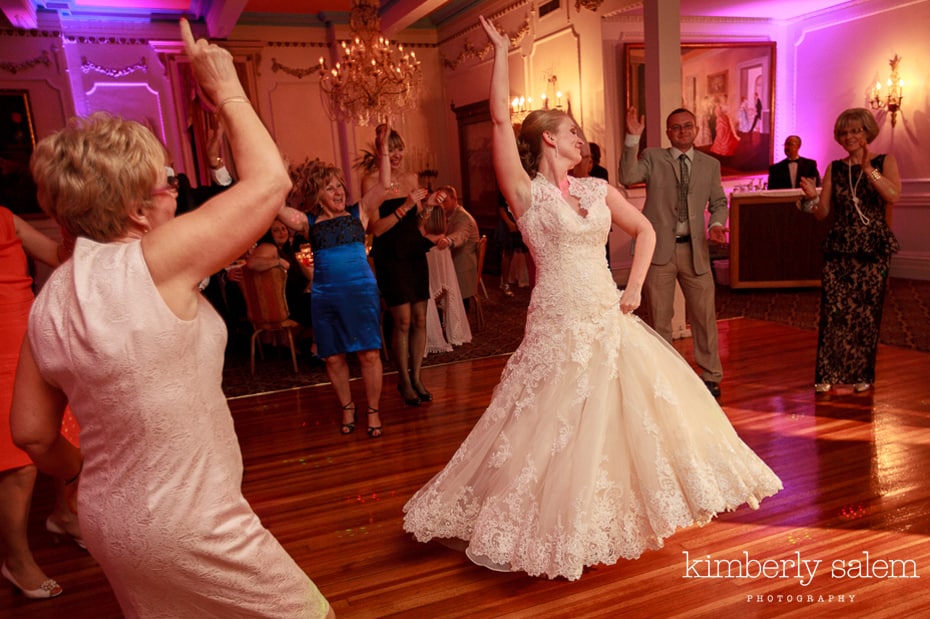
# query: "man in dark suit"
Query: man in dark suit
787,173
597,170
680,183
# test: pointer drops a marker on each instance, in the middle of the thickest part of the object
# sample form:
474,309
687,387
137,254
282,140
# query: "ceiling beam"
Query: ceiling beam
400,14
20,13
222,17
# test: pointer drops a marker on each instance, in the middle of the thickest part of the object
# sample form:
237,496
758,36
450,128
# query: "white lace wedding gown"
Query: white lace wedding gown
600,440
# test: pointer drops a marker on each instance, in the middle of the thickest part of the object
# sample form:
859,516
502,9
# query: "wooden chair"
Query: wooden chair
482,250
266,306
481,247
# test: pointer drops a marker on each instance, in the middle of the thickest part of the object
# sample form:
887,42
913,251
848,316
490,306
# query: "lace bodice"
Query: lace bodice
573,278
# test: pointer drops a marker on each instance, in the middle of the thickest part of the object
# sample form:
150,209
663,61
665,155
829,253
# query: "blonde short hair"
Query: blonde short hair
856,115
90,174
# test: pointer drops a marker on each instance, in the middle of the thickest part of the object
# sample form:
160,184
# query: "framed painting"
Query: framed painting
17,140
730,87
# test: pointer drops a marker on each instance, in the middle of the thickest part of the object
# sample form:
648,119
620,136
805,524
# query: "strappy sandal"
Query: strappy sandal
348,428
374,431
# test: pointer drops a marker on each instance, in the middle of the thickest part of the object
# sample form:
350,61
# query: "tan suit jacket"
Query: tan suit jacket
660,171
462,229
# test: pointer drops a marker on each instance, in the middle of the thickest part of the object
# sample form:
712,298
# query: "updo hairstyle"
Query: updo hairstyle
529,141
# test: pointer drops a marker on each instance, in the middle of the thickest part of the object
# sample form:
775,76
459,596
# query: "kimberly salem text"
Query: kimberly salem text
796,566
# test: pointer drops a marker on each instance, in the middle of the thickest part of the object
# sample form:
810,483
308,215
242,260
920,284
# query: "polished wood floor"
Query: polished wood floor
856,500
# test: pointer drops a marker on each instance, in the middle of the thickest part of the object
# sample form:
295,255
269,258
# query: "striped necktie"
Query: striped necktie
683,187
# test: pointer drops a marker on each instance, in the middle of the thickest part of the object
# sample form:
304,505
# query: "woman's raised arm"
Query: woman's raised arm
512,179
183,251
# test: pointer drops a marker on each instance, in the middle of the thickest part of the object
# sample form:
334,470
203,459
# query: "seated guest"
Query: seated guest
787,173
275,248
346,305
462,238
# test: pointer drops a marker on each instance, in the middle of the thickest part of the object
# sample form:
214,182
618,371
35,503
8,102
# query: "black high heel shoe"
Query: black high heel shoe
348,428
414,401
422,393
373,431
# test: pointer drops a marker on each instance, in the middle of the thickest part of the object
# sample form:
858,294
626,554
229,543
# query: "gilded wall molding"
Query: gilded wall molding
19,67
298,73
479,53
88,66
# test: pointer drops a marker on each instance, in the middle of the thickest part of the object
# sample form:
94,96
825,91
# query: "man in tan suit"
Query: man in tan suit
680,183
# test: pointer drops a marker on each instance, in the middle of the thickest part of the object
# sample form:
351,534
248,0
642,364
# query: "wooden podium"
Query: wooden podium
772,243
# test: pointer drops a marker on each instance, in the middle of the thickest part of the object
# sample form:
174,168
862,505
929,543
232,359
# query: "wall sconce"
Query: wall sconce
521,106
892,99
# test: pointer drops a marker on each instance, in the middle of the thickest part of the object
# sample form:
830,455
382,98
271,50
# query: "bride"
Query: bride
600,441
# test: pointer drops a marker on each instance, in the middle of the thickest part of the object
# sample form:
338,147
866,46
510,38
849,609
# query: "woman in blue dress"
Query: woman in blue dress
346,308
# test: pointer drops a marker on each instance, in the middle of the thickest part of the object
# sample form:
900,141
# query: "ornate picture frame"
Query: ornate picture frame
730,87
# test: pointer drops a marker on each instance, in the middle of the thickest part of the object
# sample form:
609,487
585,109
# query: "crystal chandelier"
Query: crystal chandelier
374,81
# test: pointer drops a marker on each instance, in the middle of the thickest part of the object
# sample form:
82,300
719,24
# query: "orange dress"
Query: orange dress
15,300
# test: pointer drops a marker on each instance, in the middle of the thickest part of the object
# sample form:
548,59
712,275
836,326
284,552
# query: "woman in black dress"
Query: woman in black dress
399,251
860,190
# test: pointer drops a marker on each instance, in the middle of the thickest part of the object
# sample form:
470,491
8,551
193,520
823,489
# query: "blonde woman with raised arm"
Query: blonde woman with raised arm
122,333
599,441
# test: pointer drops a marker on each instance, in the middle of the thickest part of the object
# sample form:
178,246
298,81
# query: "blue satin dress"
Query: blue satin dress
345,303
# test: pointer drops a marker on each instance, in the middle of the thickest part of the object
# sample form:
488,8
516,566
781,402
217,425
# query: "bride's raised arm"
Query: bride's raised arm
512,179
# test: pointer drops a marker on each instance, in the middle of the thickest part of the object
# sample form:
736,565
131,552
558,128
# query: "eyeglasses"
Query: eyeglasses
851,131
679,128
172,183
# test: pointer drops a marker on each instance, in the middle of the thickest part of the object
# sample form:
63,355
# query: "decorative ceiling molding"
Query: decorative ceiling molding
470,51
19,67
298,73
87,66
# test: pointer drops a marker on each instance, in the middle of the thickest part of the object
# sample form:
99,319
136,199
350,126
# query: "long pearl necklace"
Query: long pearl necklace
855,198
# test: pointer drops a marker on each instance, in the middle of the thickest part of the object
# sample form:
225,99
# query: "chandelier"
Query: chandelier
892,100
374,81
521,106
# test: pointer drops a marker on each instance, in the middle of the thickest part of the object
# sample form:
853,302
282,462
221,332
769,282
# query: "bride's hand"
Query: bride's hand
499,40
629,300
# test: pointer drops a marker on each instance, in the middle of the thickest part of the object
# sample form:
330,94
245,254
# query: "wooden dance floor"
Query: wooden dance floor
848,536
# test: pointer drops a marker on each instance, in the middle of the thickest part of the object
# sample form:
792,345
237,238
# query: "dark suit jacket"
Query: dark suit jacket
190,197
660,172
780,176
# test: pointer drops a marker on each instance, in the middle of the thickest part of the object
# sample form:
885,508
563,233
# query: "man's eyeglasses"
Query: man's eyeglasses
172,183
679,128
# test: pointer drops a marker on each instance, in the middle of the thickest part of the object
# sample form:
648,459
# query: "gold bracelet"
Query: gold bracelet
875,174
236,99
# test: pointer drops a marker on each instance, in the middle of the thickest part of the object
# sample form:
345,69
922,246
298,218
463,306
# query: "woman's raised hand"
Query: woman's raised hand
418,194
499,40
381,140
213,68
